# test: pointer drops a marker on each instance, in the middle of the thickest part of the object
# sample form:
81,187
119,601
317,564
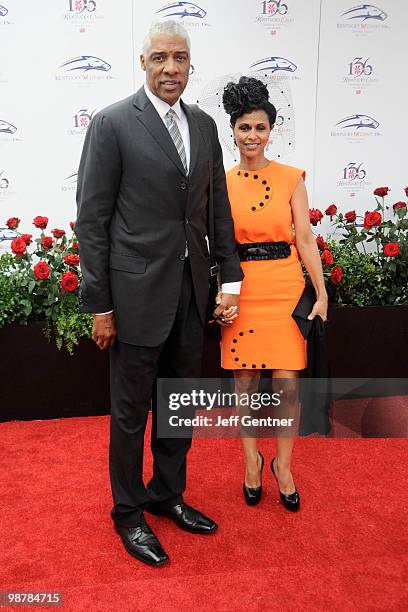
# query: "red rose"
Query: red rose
58,233
350,216
71,260
12,223
41,270
74,245
406,191
399,205
381,191
327,258
69,281
331,210
18,246
336,275
46,242
321,242
41,222
315,216
26,238
371,219
391,249
72,225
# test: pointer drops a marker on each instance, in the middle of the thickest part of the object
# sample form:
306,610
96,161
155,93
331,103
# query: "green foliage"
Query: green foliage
12,307
71,325
363,282
373,258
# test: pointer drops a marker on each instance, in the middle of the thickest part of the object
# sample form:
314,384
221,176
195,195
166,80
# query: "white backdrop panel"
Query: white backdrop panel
361,132
46,101
336,71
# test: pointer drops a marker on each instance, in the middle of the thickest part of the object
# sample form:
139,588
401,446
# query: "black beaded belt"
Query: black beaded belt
257,251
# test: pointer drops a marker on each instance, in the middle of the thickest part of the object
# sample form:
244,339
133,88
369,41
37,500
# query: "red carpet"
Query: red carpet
345,549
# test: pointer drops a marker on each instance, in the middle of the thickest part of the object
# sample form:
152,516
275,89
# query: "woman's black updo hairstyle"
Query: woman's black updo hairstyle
247,95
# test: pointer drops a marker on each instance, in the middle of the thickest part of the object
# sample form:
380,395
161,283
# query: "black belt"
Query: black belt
257,251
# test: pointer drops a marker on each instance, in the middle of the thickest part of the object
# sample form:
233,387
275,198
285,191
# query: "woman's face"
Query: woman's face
251,133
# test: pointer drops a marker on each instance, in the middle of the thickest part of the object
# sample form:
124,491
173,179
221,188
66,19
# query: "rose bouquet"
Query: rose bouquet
39,281
365,258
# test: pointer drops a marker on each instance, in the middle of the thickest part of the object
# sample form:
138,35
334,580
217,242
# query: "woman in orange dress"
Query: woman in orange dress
269,207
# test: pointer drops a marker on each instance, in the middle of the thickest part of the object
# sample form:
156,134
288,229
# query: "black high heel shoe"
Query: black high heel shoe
253,495
291,501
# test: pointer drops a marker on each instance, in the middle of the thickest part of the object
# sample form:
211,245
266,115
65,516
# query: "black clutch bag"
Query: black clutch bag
304,308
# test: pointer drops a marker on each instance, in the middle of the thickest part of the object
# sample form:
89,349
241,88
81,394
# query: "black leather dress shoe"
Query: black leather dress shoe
291,501
141,543
253,494
185,517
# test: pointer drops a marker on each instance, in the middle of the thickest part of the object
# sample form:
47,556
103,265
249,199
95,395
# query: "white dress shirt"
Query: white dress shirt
162,108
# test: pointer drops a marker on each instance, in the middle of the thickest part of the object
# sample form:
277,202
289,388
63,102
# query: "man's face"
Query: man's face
167,66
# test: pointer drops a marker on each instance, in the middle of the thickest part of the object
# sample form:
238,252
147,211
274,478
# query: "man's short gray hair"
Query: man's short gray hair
171,27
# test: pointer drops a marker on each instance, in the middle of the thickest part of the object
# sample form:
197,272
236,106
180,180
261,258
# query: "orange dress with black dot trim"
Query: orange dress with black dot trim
264,335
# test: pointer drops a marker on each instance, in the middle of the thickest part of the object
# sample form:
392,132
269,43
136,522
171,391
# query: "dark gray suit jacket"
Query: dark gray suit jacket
136,210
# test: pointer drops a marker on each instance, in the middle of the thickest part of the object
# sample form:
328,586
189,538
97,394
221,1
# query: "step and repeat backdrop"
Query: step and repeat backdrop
336,71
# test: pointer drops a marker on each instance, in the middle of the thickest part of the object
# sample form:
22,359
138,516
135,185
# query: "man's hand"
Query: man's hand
227,309
104,330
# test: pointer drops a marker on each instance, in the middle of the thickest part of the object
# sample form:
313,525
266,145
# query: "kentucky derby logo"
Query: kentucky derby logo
274,8
274,14
70,182
357,128
79,6
360,75
364,12
280,119
72,178
4,182
182,10
85,63
274,64
353,178
359,67
358,122
4,16
195,76
81,121
7,132
7,128
6,234
82,13
83,118
6,188
352,172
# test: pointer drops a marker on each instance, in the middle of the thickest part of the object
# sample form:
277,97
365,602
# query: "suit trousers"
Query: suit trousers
133,373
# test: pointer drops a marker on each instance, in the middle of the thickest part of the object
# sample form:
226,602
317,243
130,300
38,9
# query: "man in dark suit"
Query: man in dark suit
143,193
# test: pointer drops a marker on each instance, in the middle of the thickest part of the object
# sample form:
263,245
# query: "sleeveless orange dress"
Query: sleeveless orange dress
264,335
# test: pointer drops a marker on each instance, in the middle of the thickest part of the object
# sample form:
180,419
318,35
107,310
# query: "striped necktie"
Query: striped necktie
176,136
